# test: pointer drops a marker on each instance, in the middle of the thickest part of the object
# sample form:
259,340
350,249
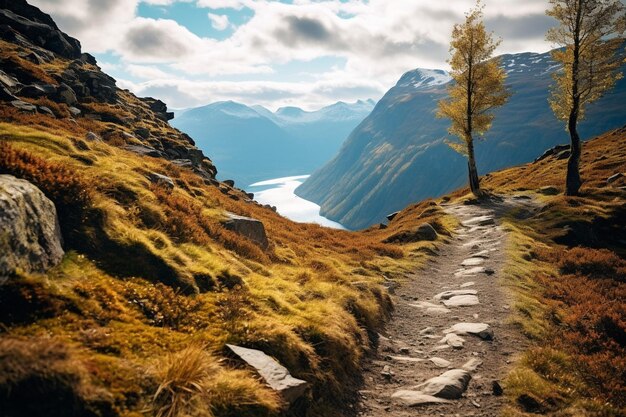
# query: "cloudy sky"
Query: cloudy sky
306,53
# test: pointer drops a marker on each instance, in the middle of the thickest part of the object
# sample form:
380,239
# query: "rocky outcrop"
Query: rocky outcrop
37,27
274,374
30,235
252,229
76,83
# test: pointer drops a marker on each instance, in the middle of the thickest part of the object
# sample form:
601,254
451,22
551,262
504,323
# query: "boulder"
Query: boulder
38,28
144,150
230,183
30,237
162,180
552,151
92,137
549,190
450,385
74,111
65,94
422,232
252,229
46,110
274,374
8,81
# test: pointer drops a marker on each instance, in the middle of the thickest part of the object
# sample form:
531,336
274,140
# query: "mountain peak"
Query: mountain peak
423,77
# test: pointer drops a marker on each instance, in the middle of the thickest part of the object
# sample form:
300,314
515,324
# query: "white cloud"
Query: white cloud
377,39
219,21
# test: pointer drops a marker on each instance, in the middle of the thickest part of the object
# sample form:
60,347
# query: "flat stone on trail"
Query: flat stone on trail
472,364
430,308
446,295
450,385
453,340
479,221
470,271
440,362
481,330
462,301
481,254
473,262
468,284
415,398
405,359
274,374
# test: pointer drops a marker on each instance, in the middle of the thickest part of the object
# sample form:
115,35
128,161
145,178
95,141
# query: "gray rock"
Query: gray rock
24,107
415,398
8,81
440,362
65,94
230,183
144,150
481,330
468,284
46,110
549,190
274,374
92,137
423,232
470,271
473,262
446,295
462,301
6,95
450,385
74,111
161,179
253,229
31,91
472,364
453,340
30,237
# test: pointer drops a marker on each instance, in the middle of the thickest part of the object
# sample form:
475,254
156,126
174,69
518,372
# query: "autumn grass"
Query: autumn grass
569,288
151,272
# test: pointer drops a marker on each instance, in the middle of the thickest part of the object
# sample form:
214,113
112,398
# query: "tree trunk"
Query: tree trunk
474,182
573,181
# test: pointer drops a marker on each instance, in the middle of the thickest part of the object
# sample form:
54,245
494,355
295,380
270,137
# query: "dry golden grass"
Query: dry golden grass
569,300
137,254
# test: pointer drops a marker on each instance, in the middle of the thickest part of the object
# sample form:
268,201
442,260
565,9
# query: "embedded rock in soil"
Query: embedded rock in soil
481,330
450,385
253,229
31,236
462,301
473,262
276,375
415,398
446,295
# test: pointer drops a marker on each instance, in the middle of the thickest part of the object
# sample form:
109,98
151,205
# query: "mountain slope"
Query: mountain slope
397,154
252,144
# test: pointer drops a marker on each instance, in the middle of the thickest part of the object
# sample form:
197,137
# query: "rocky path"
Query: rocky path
449,344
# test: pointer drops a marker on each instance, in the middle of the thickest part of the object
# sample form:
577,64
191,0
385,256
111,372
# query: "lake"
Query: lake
279,192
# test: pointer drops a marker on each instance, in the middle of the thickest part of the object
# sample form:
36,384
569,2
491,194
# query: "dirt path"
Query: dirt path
456,364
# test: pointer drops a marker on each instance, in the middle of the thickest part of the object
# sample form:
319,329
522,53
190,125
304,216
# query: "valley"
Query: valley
162,266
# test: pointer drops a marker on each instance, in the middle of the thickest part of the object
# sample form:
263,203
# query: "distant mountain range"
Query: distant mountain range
397,155
251,143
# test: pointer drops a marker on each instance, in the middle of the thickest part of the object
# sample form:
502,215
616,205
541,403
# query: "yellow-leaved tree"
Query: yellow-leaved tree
591,55
478,87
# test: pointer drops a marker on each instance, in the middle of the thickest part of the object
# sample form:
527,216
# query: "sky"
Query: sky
305,53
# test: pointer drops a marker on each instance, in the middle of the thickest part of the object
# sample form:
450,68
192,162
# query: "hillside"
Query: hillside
398,155
134,283
252,144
